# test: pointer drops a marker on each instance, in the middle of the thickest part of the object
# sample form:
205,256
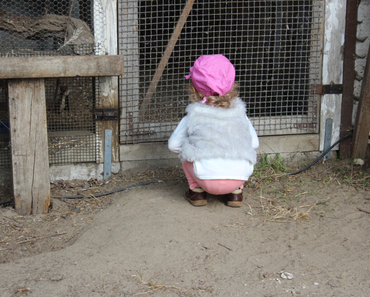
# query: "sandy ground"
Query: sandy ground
303,235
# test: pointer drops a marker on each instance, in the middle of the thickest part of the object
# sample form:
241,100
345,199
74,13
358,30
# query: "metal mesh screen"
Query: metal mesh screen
56,28
70,119
274,46
51,27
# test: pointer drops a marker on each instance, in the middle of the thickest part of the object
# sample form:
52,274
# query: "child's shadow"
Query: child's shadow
216,200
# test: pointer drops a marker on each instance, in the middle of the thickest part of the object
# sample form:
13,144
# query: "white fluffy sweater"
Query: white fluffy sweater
221,142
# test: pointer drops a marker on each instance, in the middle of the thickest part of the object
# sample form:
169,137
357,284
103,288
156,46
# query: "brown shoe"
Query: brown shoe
235,198
197,197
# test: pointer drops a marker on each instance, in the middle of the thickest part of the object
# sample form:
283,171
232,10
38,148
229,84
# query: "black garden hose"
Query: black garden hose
321,156
97,195
108,193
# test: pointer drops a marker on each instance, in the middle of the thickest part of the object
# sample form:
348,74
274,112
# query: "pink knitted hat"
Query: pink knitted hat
212,74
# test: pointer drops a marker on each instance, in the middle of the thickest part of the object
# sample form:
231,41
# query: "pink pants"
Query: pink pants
211,186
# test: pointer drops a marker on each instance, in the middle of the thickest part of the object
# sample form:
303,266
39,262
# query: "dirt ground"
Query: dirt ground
300,235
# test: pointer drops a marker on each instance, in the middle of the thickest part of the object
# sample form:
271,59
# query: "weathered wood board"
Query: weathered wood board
30,162
362,125
108,86
166,56
334,28
61,66
27,113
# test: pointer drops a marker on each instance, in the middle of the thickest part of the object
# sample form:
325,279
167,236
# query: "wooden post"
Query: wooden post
108,86
27,114
349,52
362,125
332,66
30,161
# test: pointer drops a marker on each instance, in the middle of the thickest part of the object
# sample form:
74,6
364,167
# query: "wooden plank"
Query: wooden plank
349,53
334,28
362,125
268,145
166,55
108,86
61,66
109,99
30,164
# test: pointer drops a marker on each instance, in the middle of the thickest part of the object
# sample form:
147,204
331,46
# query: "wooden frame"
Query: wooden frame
334,28
61,66
362,125
27,114
108,86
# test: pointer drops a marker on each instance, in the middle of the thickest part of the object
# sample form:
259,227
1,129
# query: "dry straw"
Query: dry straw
284,213
154,286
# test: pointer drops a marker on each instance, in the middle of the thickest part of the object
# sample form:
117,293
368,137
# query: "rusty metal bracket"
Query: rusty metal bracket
326,89
106,114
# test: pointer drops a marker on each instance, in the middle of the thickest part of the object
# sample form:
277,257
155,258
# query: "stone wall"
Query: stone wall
362,47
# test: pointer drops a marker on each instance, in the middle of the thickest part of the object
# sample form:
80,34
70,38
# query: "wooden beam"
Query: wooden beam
30,162
61,66
108,86
332,65
362,125
162,65
349,53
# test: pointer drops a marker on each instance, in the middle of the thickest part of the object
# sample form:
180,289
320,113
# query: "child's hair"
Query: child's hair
215,100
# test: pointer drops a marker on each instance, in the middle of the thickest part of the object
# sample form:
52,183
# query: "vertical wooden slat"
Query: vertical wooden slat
167,54
108,86
362,125
332,66
30,162
348,77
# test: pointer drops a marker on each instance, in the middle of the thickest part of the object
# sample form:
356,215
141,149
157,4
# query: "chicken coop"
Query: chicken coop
54,99
274,45
55,28
287,56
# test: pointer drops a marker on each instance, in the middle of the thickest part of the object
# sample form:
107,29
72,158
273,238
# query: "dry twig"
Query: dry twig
225,247
363,210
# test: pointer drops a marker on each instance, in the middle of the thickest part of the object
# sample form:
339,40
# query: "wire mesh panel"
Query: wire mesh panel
70,119
274,45
55,28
